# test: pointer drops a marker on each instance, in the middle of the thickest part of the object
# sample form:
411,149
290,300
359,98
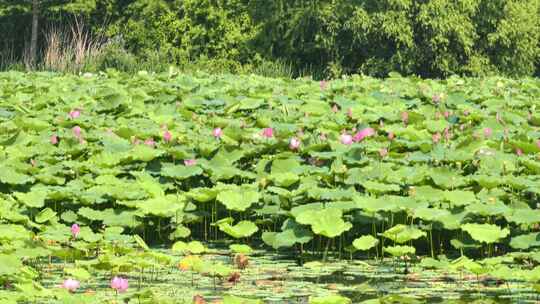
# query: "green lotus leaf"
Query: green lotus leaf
180,172
194,247
240,230
238,200
365,242
9,265
374,187
45,215
525,241
35,198
486,233
524,216
13,232
284,179
397,251
180,232
326,222
78,273
240,248
402,233
202,195
459,197
166,205
333,299
229,299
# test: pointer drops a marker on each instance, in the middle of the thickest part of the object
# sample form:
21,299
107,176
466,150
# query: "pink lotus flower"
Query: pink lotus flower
75,229
335,108
150,142
538,144
323,84
217,132
446,114
405,117
294,143
77,131
73,114
447,134
33,162
322,137
466,112
436,137
363,134
346,139
383,152
519,152
268,132
436,98
391,136
167,136
54,139
71,285
119,284
190,162
487,132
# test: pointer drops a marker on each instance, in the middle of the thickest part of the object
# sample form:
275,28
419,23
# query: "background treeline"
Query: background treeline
323,38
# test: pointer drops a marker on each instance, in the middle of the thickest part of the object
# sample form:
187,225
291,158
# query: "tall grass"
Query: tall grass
71,49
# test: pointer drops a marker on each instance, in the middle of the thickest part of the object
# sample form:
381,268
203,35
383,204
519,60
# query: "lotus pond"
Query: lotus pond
174,188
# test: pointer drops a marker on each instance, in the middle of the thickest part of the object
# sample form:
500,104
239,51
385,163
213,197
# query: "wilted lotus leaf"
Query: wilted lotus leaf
240,230
326,222
402,233
486,233
365,242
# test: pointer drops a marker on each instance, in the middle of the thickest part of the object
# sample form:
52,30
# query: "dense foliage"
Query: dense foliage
445,170
325,38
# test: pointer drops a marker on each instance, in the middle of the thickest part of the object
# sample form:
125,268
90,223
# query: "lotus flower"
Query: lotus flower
335,108
322,137
33,162
538,143
217,132
119,284
436,137
268,132
363,134
466,112
391,136
446,114
487,132
73,114
294,143
346,139
77,131
190,162
383,152
436,98
71,285
75,229
405,117
167,136
519,152
54,139
198,299
150,142
323,84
